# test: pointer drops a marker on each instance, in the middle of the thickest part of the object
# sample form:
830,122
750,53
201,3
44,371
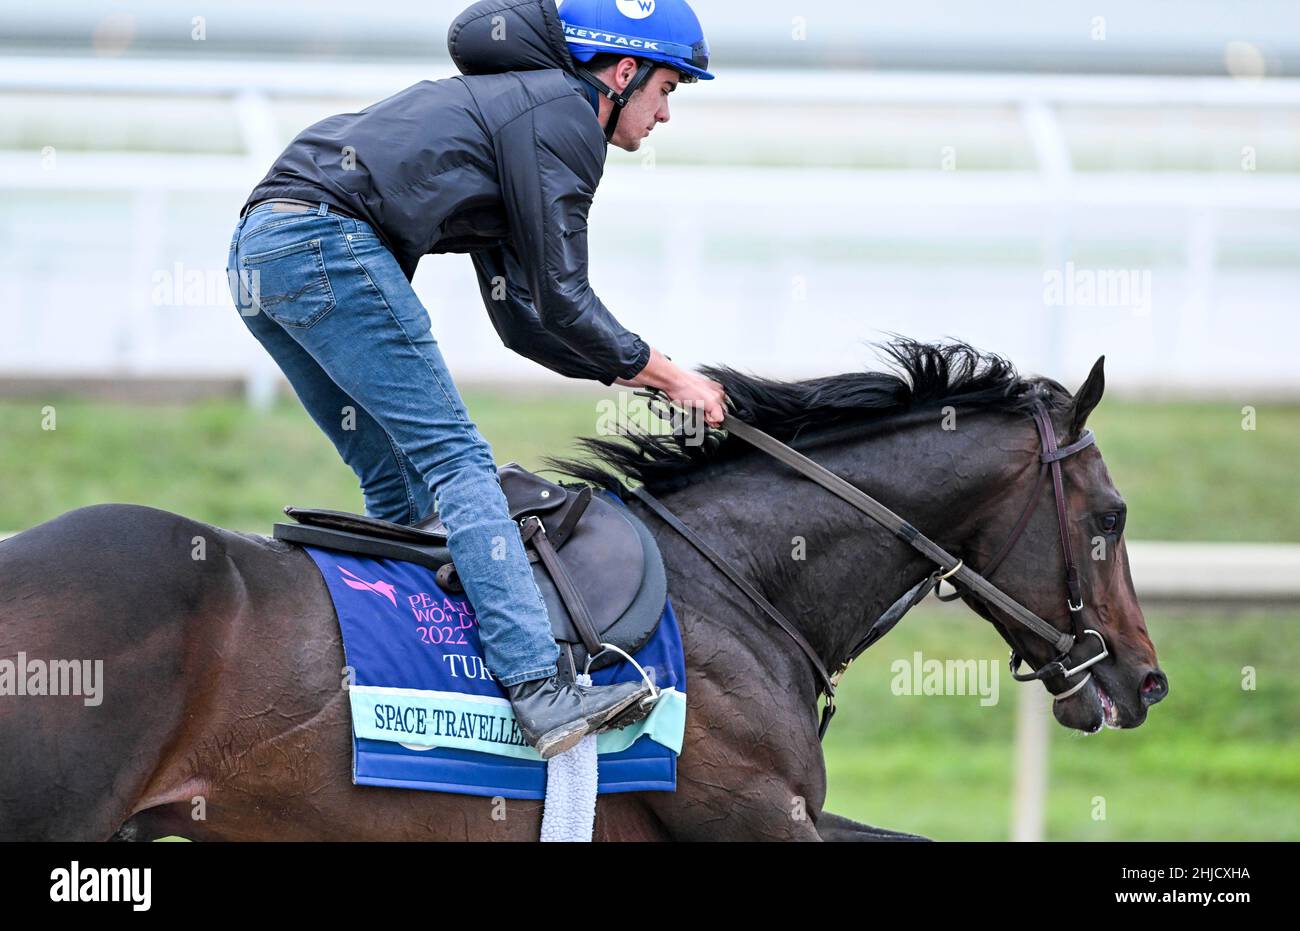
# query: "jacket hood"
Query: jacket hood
493,36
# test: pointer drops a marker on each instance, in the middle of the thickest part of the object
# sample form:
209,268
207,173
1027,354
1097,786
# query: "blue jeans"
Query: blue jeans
325,297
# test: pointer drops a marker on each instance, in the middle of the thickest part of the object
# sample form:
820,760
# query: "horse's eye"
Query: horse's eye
1109,522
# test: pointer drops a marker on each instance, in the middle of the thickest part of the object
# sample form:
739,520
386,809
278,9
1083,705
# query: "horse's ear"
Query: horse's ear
1088,396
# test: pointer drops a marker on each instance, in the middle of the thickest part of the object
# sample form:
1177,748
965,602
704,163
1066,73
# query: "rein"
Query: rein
956,572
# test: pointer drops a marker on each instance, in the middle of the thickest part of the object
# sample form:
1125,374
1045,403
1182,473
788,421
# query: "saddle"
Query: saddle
596,565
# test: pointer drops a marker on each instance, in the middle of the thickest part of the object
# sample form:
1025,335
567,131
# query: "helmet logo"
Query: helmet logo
635,9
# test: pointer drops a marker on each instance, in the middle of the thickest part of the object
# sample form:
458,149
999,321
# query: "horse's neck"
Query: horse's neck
826,566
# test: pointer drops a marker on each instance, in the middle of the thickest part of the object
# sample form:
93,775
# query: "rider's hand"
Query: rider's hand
691,389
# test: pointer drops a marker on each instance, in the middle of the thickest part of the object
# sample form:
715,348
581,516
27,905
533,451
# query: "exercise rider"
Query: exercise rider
500,163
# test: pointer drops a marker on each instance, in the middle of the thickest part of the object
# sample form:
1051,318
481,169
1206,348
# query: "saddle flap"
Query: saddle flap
621,574
603,560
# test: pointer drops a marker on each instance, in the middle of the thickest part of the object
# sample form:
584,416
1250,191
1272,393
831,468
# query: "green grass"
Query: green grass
220,462
1212,762
1188,471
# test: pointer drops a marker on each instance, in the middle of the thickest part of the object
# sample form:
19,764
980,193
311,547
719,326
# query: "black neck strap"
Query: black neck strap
615,97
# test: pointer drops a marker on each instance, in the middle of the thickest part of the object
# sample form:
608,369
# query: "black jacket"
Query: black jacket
501,163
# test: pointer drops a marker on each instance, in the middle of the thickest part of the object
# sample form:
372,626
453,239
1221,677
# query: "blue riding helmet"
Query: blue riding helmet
655,32
666,31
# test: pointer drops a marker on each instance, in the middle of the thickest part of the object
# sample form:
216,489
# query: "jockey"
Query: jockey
501,163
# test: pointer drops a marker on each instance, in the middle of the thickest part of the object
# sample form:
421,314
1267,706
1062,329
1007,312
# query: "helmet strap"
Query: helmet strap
619,100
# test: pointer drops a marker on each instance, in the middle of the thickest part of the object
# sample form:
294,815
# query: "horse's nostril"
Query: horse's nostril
1155,686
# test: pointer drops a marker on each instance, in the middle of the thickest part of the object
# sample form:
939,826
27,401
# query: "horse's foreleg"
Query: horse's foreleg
750,768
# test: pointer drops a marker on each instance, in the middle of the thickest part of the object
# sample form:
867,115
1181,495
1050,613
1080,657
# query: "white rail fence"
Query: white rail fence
718,201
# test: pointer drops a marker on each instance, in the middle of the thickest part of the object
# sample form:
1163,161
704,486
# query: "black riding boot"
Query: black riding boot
554,714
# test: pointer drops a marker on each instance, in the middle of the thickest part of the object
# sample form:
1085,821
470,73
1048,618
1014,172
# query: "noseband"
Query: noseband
964,579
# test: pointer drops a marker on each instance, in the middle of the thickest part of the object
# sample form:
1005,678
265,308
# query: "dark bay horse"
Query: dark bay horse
222,712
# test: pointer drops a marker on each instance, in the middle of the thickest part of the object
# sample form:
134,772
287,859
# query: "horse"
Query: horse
223,711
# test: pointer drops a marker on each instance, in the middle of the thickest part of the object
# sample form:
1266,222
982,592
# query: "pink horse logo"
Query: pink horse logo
380,587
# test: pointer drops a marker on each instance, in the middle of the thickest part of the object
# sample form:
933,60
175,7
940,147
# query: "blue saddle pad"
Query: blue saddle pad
427,714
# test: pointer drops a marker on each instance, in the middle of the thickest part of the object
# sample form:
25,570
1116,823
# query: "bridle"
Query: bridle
965,580
1049,458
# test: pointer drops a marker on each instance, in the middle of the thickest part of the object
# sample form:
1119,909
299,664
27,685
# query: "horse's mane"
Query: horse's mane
925,375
